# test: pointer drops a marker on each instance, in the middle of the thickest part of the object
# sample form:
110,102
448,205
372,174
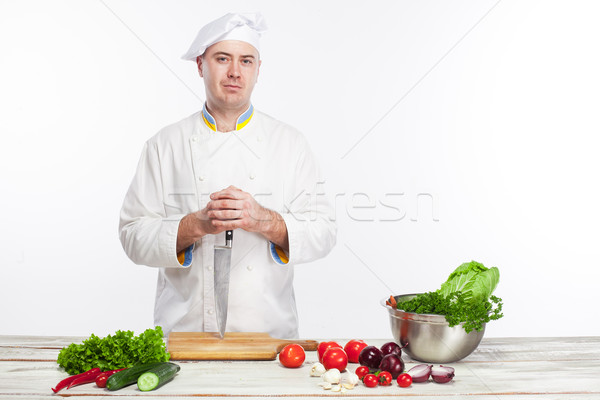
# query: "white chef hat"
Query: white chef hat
246,27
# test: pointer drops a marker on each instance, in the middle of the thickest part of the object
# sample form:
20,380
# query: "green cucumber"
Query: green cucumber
129,376
157,376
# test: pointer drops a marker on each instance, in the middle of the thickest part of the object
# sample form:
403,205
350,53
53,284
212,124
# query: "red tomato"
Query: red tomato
292,356
103,377
385,378
361,371
101,380
335,357
353,348
404,380
323,346
370,380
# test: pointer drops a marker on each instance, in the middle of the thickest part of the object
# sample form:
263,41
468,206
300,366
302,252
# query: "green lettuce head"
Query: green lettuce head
474,280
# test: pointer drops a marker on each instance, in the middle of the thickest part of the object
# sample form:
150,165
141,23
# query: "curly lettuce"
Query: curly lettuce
121,350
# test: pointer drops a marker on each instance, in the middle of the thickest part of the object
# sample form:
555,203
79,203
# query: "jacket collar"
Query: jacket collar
242,120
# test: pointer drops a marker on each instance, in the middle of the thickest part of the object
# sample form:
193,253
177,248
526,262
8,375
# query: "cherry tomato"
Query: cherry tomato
353,348
385,378
323,346
404,380
292,356
103,377
101,380
361,371
335,357
370,380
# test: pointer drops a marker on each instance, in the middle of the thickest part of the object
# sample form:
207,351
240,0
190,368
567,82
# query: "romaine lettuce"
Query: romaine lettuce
473,280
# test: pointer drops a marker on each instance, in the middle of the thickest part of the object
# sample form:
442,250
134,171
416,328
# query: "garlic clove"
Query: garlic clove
332,376
317,369
336,388
348,386
325,385
352,378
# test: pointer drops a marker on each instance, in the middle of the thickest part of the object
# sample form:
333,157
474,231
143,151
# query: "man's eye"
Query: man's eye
247,62
222,59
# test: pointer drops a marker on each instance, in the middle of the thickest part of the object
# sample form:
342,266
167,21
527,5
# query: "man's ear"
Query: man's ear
199,62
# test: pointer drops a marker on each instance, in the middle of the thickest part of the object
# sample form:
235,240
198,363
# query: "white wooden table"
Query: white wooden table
503,368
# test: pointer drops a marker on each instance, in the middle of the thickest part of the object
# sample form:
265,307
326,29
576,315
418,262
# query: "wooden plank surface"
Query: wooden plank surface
506,368
34,348
531,349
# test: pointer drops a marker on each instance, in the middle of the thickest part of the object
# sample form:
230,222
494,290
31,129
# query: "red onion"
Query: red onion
391,348
370,356
442,374
393,364
420,373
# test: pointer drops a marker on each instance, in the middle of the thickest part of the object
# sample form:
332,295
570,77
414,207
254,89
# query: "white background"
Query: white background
476,120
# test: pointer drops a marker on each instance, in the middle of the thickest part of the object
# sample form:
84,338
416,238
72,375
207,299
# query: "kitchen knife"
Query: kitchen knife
222,264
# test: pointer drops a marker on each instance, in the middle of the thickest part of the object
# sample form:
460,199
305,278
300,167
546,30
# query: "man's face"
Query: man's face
230,70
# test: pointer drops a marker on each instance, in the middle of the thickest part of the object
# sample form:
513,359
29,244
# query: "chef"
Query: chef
227,167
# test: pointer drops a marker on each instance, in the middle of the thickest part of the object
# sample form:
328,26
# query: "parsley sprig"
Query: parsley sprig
456,309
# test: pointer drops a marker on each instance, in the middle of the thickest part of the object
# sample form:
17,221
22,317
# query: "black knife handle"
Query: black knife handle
228,238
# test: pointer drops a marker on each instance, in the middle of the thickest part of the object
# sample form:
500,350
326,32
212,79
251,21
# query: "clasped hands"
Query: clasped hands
229,209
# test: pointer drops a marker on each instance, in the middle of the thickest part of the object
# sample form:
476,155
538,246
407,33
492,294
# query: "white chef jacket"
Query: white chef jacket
179,168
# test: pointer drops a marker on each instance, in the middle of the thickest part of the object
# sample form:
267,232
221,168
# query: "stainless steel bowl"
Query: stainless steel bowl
428,337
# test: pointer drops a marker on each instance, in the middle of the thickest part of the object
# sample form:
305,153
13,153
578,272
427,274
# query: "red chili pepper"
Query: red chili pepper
86,377
103,377
66,383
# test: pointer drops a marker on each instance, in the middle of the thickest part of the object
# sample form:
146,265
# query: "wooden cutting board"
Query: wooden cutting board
234,346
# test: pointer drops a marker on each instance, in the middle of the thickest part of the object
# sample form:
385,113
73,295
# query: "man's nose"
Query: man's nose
234,71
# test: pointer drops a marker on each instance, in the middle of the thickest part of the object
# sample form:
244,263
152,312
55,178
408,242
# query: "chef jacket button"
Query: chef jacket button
249,267
252,176
201,178
195,138
259,138
210,312
210,267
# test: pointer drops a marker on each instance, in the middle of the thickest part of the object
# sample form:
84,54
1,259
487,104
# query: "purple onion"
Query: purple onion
442,374
393,364
420,373
391,348
370,356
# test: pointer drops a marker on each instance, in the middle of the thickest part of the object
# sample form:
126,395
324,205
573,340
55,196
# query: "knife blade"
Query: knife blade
222,264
